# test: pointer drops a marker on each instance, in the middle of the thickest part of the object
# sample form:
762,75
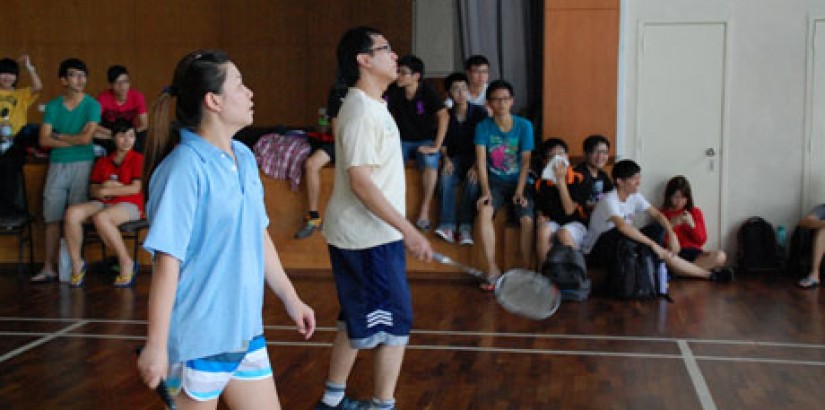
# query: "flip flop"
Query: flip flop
808,283
44,277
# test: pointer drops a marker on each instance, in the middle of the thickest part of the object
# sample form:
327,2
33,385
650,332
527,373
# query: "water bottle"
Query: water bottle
323,120
662,272
781,236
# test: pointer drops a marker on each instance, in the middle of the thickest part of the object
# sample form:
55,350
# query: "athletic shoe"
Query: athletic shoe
722,275
445,234
808,283
423,224
465,238
346,404
309,228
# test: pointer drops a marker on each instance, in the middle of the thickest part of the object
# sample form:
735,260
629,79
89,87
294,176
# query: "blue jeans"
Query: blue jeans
446,191
409,149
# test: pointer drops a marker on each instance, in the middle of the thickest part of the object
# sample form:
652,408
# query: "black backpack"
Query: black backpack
566,268
633,272
758,249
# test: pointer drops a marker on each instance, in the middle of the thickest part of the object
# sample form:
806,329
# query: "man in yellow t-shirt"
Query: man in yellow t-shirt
15,102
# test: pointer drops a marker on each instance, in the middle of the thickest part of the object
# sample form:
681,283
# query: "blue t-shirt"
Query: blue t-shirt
209,213
504,149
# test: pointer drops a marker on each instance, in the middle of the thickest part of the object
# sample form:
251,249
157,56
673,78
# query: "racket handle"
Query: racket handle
161,389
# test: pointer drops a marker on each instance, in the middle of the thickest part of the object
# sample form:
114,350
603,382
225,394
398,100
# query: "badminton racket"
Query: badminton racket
519,291
161,389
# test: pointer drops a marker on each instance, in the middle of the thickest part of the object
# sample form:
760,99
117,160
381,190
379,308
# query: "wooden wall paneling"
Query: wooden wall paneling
264,23
580,72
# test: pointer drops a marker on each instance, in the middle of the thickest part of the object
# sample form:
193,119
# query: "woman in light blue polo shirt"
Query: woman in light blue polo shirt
212,252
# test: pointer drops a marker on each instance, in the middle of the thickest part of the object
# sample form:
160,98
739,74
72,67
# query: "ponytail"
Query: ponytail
161,139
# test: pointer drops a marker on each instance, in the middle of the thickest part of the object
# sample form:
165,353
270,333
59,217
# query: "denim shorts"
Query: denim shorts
409,149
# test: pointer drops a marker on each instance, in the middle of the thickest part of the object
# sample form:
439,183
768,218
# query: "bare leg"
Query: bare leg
52,242
73,230
488,239
107,222
342,358
817,251
543,240
565,238
430,177
684,268
252,394
711,260
388,361
313,166
526,223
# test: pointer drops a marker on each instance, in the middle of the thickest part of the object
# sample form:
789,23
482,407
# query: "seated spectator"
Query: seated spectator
120,101
14,106
322,154
504,143
559,200
596,182
68,125
118,198
815,221
616,210
458,166
477,69
422,119
688,223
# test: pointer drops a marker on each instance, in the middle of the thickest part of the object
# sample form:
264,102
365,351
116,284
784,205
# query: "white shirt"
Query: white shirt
610,206
365,134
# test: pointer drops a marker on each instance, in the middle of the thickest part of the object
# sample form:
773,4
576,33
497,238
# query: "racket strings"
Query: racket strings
527,293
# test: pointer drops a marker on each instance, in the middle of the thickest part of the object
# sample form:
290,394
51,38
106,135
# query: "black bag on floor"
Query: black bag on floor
632,274
799,254
757,248
566,268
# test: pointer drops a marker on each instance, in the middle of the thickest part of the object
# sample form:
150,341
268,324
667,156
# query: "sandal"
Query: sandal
79,278
127,282
808,283
44,277
423,224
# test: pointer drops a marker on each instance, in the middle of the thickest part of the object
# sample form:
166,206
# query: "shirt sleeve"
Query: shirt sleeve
431,100
481,137
172,206
641,204
140,101
527,142
137,166
99,171
93,111
359,142
50,114
698,234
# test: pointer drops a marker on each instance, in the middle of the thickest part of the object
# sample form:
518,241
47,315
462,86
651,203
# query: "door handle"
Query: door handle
710,152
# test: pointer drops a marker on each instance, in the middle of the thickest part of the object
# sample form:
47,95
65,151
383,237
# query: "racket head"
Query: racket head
527,293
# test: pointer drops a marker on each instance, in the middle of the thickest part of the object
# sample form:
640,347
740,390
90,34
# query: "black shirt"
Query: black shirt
460,135
415,118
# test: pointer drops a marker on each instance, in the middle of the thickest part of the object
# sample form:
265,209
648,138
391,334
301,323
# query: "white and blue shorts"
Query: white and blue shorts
205,379
576,229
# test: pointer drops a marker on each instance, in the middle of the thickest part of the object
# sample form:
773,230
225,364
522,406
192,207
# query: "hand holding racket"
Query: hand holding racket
161,389
519,291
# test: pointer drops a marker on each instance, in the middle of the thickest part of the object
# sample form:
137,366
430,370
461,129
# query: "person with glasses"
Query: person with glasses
120,100
477,69
212,254
458,166
422,118
68,125
596,182
365,225
504,145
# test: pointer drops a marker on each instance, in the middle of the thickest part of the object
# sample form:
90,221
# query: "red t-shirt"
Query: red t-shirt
111,110
129,170
689,237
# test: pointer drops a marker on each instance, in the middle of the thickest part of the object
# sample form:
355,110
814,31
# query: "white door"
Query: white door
814,188
680,106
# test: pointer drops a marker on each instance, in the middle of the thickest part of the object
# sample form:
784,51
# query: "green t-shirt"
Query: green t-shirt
72,122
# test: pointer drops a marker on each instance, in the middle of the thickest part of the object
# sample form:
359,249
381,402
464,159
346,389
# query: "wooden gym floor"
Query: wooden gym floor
757,343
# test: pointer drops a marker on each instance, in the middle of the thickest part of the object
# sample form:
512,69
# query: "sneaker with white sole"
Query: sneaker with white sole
446,234
465,238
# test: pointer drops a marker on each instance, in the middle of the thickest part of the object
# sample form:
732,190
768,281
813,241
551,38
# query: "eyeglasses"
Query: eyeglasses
402,71
499,99
459,89
385,47
479,70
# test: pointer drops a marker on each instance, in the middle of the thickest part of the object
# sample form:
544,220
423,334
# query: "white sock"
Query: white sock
333,394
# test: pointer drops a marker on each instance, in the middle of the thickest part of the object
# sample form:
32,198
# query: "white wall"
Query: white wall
764,126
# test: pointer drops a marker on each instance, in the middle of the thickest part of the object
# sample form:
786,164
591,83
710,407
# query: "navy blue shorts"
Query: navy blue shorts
690,254
374,295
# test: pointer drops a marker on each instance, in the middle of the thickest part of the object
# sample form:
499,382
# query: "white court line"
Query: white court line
40,341
540,352
756,343
696,377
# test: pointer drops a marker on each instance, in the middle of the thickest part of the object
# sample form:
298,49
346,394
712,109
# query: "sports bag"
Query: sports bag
757,247
633,272
566,268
